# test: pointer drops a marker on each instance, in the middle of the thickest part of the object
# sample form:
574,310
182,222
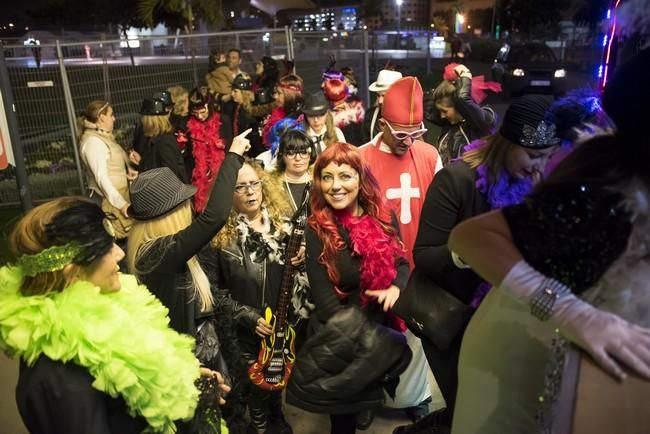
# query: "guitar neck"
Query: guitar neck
286,287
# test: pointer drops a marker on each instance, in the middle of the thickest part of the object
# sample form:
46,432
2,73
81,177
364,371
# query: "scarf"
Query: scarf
505,191
378,252
209,151
123,339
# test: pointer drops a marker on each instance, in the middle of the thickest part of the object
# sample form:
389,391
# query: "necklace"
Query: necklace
304,179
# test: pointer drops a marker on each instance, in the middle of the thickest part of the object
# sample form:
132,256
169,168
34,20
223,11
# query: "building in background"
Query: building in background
327,19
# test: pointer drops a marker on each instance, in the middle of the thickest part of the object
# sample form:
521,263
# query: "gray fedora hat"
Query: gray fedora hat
315,104
156,192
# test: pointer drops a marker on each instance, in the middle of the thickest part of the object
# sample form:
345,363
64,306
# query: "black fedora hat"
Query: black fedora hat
315,104
242,82
165,97
152,107
155,192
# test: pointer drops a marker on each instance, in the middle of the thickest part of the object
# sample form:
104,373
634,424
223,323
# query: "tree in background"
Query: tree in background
181,13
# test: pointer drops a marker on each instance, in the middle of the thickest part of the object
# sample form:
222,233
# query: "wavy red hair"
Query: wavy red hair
322,219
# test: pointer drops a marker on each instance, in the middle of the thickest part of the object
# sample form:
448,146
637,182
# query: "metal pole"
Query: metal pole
105,76
366,69
72,120
237,41
428,53
22,180
288,39
195,73
293,53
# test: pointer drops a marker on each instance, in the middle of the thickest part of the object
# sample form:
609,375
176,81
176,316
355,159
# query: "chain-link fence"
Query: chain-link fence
53,83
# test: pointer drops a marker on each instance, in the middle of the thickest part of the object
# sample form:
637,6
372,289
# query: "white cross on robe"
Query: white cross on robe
405,192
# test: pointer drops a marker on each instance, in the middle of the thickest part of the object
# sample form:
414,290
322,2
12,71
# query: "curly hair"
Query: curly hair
322,219
272,198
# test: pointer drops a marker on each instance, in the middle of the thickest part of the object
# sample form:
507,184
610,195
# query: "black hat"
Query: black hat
315,104
156,192
242,83
165,97
152,107
524,123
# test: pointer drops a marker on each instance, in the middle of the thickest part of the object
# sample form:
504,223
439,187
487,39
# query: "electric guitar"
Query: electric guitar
272,369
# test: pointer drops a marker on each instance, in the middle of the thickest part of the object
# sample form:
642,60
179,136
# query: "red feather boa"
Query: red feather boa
277,114
378,252
209,151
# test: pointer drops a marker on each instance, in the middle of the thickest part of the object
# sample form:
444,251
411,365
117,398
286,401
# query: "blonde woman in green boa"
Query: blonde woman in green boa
96,351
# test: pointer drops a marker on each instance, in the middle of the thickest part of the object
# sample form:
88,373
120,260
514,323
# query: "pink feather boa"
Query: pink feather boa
378,252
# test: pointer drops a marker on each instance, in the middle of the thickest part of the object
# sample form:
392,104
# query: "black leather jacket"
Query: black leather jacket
477,122
250,284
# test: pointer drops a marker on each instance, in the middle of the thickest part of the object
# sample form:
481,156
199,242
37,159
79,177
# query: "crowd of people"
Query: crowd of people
257,244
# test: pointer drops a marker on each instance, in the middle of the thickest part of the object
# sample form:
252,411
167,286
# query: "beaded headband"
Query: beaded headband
55,258
51,259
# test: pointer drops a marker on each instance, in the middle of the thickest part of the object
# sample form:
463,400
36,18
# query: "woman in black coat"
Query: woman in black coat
461,118
159,147
356,271
164,243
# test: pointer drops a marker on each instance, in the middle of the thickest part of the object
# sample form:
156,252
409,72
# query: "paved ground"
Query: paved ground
302,422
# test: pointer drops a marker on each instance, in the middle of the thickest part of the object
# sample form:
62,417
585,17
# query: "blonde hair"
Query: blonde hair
93,111
154,126
272,198
248,97
493,152
181,98
141,238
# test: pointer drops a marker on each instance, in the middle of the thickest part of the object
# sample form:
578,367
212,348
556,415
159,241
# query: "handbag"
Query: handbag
430,312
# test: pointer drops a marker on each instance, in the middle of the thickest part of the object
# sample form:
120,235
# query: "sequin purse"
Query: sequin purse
430,312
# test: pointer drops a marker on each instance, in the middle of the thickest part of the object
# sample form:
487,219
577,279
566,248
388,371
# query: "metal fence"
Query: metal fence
53,83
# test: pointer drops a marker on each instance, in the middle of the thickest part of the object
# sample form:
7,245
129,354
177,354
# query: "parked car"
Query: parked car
528,68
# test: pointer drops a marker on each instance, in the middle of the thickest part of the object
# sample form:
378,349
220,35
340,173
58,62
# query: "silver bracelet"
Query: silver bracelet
541,305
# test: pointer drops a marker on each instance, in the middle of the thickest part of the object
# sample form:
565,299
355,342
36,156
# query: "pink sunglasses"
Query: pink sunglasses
403,135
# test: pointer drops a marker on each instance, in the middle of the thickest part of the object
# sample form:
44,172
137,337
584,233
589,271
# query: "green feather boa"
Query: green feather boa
122,338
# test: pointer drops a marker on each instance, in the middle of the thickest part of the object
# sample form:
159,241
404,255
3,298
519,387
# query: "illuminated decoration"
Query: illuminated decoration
460,19
609,45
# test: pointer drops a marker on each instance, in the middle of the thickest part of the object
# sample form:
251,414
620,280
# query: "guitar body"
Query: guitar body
276,358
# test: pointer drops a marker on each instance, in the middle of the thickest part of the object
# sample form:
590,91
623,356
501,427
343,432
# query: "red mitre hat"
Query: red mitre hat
403,102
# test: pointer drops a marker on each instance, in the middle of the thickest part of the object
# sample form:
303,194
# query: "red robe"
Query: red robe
404,182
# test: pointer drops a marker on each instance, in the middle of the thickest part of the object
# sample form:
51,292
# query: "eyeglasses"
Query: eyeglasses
302,153
403,135
243,188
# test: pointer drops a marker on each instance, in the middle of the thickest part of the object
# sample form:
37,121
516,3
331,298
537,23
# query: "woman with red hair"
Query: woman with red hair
348,113
356,269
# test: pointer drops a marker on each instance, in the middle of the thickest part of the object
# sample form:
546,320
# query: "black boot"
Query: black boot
365,418
429,424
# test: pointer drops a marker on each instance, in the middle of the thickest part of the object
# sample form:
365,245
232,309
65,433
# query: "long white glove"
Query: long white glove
607,337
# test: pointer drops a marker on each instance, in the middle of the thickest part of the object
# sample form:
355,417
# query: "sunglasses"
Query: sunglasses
403,135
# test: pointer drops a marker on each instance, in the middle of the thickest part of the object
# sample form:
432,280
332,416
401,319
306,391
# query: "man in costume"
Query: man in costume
404,165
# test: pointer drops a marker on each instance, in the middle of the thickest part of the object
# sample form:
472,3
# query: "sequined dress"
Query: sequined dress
571,233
